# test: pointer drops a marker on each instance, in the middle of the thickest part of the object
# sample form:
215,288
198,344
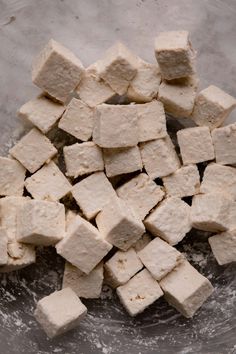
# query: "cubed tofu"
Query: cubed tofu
48,183
119,224
82,159
33,150
170,220
121,267
141,193
186,289
88,286
60,312
19,256
159,258
174,54
116,126
83,246
224,141
212,107
42,112
140,292
142,242
57,71
78,120
3,246
92,193
12,175
41,222
159,157
122,160
151,121
223,247
184,182
195,145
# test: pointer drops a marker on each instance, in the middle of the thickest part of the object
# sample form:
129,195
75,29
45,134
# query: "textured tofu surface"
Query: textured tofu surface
223,247
12,175
224,141
142,242
21,257
3,246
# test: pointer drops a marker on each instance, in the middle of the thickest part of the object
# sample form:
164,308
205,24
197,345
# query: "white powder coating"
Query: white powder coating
142,242
159,157
186,289
92,193
170,220
81,159
33,150
25,257
60,312
140,292
224,140
83,245
223,247
78,120
141,193
57,70
212,107
195,145
42,112
121,267
3,246
12,175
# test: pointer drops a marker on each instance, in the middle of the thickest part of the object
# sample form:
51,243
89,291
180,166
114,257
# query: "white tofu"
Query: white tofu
121,267
42,112
92,193
174,54
78,120
121,161
159,157
83,245
223,247
60,312
19,256
119,224
141,193
3,246
224,141
186,289
159,258
33,150
70,215
57,71
116,126
212,107
170,220
184,182
88,286
142,242
195,145
140,292
151,121
81,159
12,175
41,222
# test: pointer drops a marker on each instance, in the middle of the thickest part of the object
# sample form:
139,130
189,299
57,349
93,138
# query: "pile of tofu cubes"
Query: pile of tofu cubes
126,177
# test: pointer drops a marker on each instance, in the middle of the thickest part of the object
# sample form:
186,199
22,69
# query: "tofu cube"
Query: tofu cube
83,245
119,224
78,120
224,141
174,54
195,145
57,71
41,222
33,150
151,121
159,157
116,126
170,220
140,292
92,193
12,175
186,289
60,312
3,246
88,286
122,160
142,242
223,247
184,182
81,159
212,107
141,193
19,256
42,112
121,267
